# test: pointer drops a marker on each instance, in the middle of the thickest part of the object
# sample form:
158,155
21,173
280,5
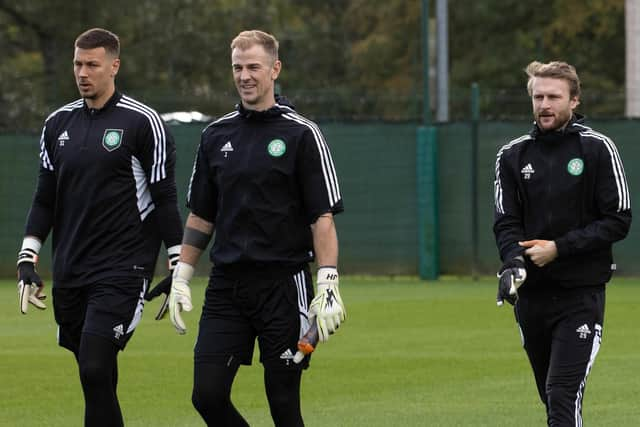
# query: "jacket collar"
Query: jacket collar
108,105
282,106
575,125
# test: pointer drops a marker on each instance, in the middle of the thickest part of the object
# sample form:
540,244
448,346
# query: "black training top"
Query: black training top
107,189
568,186
262,178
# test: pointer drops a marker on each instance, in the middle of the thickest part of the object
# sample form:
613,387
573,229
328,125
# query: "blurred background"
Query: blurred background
415,97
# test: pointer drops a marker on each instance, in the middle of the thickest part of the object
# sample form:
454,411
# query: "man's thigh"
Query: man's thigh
283,319
576,341
225,334
109,311
114,311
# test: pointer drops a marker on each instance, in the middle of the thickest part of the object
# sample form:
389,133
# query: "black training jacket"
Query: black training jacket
262,178
107,189
568,186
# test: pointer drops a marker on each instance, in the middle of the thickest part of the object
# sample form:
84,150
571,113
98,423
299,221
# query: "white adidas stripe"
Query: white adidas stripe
193,172
624,200
303,308
159,134
143,195
44,155
137,315
498,196
597,340
78,103
225,117
328,169
158,170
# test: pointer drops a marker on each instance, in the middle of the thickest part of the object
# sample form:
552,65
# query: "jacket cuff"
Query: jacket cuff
562,245
514,252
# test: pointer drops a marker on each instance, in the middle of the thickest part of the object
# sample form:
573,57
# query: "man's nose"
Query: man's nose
244,74
82,71
545,102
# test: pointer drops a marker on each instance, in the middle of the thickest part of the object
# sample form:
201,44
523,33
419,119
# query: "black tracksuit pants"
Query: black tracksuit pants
561,333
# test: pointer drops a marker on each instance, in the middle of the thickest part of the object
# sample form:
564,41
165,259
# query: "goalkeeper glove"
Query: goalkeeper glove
180,295
30,285
327,307
511,276
164,286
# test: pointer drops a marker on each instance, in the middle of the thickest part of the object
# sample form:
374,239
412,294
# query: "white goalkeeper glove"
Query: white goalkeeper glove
327,307
180,295
164,286
30,286
511,276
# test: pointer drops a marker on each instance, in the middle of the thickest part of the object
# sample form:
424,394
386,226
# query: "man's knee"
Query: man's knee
212,387
209,397
283,394
563,405
95,373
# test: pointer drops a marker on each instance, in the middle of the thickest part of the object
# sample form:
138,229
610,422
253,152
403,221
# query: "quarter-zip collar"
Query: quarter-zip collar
557,135
107,106
274,111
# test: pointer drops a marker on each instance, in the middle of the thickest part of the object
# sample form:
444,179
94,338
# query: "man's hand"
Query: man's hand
327,307
511,276
540,252
164,286
180,295
30,286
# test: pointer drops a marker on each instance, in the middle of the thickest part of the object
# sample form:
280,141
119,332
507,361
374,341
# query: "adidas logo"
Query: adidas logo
64,136
119,331
527,171
583,331
287,355
227,148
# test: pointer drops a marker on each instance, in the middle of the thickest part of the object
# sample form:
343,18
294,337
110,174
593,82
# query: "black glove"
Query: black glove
162,288
511,276
30,287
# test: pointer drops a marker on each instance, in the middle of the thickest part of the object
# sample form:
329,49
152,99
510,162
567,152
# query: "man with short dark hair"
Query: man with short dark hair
264,177
561,201
106,189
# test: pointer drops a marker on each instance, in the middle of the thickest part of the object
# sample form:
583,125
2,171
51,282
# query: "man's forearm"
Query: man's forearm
197,234
325,240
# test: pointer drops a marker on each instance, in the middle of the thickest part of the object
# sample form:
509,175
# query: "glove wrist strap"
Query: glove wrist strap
183,271
327,275
173,255
30,249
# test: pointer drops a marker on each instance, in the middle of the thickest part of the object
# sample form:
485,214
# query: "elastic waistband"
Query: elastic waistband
263,270
554,289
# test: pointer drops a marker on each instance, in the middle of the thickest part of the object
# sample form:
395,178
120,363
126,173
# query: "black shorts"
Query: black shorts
109,311
235,312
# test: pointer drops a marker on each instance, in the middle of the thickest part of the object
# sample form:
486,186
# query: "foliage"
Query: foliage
344,59
493,48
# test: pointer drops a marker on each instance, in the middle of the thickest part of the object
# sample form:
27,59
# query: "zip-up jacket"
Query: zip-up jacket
107,189
262,178
568,186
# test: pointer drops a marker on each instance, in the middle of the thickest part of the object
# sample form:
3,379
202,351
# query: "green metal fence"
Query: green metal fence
398,214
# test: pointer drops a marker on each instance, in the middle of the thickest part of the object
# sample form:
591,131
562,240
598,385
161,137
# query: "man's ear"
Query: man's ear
277,66
115,66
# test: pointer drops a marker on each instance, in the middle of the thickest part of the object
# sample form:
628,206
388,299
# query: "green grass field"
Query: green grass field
410,354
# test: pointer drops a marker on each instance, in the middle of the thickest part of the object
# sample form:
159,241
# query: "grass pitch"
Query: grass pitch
410,354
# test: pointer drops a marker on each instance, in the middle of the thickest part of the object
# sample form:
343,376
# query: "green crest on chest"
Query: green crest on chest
112,139
277,148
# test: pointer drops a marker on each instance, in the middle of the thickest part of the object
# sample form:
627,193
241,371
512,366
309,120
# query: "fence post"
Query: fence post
475,118
427,187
